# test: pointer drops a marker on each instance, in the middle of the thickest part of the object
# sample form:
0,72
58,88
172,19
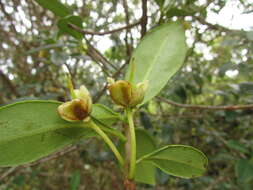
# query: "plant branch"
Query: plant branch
128,46
144,18
96,56
93,51
189,106
214,26
108,141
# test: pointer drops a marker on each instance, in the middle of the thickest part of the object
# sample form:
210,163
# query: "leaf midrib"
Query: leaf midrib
180,175
43,130
189,165
156,57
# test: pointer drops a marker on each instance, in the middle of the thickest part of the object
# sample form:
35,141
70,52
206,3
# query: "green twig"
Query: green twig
108,142
132,143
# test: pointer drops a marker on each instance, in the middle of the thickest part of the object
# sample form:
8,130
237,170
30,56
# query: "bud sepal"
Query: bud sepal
79,108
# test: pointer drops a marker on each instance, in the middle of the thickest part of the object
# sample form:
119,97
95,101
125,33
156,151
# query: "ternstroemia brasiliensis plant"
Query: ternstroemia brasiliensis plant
30,130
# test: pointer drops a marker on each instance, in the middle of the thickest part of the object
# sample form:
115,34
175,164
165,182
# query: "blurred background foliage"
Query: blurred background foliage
35,54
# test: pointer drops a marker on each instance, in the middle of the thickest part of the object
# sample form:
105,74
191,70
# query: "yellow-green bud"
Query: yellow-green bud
125,94
77,109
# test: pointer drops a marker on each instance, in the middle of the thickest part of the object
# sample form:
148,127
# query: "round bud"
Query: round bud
125,94
77,109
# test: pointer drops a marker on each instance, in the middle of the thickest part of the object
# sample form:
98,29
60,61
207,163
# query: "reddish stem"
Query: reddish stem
129,185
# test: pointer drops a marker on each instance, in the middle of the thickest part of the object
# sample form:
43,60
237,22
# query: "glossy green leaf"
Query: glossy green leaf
244,170
145,171
158,57
55,6
30,130
179,160
65,29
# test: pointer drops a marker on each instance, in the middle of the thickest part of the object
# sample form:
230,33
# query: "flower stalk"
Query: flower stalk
79,109
132,139
108,141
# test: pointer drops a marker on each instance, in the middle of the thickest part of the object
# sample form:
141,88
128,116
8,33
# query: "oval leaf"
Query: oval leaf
158,57
145,171
55,6
65,29
179,160
30,130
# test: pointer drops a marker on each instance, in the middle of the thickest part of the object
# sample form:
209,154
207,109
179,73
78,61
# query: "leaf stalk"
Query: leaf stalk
108,141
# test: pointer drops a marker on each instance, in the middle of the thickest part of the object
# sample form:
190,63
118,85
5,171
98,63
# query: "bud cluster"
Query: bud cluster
122,93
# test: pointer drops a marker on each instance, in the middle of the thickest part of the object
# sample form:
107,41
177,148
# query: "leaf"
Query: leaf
160,3
145,171
178,12
179,160
55,6
237,146
65,29
158,57
75,180
105,117
244,170
30,130
104,114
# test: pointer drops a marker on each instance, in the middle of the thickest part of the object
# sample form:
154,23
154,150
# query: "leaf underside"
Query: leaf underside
158,57
145,170
33,129
180,160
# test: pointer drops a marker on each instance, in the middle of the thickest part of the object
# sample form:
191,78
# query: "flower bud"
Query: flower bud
138,93
77,109
125,94
82,93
